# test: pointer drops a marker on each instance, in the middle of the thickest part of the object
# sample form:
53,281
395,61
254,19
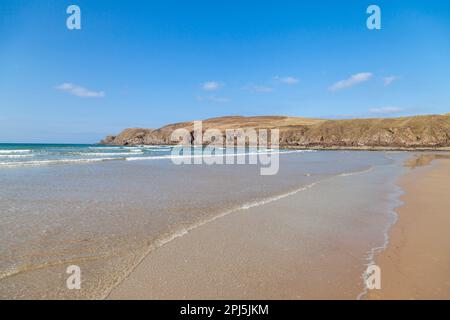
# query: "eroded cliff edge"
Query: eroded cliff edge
417,132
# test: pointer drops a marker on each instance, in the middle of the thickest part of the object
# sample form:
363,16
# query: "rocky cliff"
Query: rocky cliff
418,132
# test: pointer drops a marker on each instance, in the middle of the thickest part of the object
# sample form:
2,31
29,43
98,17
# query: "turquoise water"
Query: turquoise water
47,154
13,155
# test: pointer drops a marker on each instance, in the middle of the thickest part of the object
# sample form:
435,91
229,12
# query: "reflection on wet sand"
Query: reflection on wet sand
425,159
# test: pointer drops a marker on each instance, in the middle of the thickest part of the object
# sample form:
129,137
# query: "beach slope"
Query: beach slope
416,265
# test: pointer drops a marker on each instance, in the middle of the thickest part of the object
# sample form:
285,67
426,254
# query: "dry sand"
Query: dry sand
416,265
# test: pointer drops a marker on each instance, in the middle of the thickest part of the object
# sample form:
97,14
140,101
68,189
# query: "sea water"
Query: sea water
85,205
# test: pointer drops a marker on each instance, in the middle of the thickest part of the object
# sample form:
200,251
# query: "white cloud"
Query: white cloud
213,99
80,91
211,86
287,80
386,110
257,88
352,81
388,80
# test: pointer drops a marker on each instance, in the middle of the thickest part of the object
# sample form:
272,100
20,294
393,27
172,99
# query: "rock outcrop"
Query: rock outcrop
418,132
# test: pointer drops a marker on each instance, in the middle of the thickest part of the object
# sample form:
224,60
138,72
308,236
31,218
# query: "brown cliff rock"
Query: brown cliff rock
418,132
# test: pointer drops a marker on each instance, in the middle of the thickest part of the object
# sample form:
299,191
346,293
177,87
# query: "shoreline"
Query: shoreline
403,246
416,263
242,273
304,223
376,251
310,242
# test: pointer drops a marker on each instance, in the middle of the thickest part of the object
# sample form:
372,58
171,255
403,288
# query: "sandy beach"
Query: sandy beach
298,247
259,253
256,254
307,233
416,265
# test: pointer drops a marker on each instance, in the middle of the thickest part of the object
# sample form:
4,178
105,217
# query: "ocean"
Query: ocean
47,154
63,205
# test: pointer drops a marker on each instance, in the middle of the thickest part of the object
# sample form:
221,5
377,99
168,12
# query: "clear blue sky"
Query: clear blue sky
149,63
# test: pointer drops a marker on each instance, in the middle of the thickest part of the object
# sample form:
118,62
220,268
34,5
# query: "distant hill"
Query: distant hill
417,132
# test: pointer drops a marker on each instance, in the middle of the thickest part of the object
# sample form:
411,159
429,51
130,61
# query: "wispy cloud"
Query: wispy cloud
287,80
352,81
256,88
80,91
213,99
385,110
211,86
388,80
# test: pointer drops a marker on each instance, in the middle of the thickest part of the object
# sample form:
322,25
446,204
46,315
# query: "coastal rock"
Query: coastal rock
416,132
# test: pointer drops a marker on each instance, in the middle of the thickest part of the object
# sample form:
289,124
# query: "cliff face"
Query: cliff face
407,132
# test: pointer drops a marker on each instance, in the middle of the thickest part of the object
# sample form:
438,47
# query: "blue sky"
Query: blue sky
149,63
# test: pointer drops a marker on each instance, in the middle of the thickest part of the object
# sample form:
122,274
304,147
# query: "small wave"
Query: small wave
50,162
155,147
107,153
122,156
275,198
105,148
184,231
16,156
371,255
348,174
13,151
132,148
158,150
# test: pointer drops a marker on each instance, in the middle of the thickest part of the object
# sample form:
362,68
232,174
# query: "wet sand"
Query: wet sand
416,265
298,247
106,217
264,252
